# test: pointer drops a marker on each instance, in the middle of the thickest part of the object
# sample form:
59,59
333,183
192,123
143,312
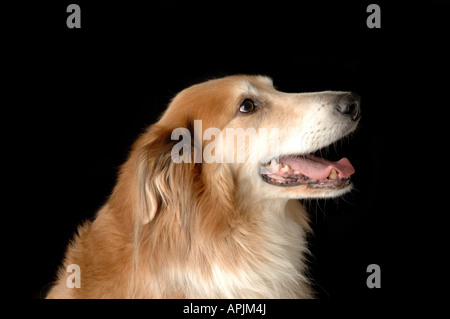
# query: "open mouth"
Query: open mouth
311,170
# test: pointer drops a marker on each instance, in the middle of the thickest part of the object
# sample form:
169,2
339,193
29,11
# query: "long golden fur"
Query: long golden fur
206,230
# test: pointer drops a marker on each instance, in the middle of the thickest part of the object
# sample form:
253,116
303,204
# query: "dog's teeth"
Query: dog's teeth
296,172
286,169
333,174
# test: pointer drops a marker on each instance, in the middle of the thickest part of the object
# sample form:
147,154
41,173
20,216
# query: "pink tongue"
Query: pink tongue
318,168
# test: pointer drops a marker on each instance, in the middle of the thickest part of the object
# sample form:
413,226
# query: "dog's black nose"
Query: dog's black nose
348,104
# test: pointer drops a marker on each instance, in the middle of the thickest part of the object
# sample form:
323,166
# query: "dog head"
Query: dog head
239,135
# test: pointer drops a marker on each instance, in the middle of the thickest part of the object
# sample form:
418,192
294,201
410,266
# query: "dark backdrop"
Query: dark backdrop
91,91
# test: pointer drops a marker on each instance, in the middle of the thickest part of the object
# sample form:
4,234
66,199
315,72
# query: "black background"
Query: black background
87,94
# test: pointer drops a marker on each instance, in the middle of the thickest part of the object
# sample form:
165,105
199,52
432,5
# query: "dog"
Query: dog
189,220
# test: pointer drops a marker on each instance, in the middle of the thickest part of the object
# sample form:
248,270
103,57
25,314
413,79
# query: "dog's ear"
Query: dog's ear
162,181
169,177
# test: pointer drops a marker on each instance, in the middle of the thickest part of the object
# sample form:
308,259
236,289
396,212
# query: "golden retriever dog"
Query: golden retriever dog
200,210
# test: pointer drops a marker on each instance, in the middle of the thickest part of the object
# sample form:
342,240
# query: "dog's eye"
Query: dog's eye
247,106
